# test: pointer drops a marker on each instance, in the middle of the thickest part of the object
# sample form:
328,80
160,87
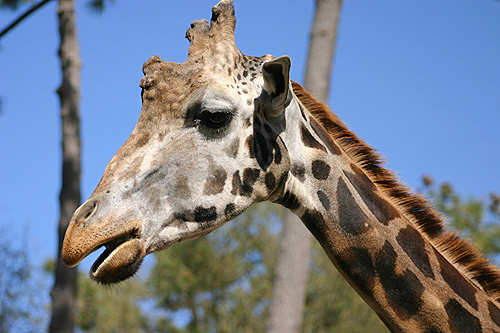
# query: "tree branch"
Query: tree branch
30,11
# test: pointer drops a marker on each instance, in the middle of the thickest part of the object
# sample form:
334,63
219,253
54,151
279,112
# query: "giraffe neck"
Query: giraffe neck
389,258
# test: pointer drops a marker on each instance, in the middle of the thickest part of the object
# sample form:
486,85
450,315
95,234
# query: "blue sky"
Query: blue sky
418,80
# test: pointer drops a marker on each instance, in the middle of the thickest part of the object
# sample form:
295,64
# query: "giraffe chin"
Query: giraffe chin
120,260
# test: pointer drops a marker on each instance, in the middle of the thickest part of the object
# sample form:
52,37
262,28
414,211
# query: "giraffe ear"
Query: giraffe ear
276,75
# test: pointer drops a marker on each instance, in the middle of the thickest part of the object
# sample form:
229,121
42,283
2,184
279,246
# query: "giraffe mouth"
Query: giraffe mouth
120,259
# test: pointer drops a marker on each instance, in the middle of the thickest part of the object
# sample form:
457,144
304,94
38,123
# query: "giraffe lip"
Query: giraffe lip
110,246
120,259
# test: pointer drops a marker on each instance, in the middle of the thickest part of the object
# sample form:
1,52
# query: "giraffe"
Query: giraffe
225,130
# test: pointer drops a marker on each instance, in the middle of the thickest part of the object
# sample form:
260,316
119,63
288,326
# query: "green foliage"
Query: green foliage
13,4
110,309
223,280
478,219
20,303
107,309
98,6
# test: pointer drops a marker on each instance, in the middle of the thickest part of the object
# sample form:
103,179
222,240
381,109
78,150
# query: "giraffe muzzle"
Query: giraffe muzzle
91,229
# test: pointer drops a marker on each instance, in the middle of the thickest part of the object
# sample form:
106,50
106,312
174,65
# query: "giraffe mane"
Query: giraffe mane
459,251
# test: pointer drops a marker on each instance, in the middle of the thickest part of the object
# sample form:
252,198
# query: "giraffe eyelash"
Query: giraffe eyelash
213,123
216,120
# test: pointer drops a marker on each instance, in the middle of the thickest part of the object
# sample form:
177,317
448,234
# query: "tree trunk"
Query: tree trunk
321,48
290,282
64,291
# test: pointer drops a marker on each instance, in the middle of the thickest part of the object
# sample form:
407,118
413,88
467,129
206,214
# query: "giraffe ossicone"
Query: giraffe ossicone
225,130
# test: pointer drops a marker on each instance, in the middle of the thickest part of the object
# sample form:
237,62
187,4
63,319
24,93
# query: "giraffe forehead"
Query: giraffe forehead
165,93
216,96
167,87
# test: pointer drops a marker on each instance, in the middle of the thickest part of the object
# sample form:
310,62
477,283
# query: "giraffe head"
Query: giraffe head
206,146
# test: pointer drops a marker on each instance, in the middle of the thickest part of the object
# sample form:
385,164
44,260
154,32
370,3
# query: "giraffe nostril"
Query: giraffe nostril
86,211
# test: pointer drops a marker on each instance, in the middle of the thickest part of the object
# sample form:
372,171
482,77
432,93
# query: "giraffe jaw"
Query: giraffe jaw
120,260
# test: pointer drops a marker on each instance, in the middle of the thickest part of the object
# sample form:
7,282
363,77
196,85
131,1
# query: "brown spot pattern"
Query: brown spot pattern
249,144
380,208
205,214
494,313
352,219
289,200
324,200
404,292
460,319
298,170
236,183
250,176
413,244
325,137
315,222
232,150
357,264
277,153
456,281
309,140
320,169
229,210
270,181
244,186
181,189
215,182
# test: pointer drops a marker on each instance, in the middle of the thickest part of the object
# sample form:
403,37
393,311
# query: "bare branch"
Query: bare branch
30,11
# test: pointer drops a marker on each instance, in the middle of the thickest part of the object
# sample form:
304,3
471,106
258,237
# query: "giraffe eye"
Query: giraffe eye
215,120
